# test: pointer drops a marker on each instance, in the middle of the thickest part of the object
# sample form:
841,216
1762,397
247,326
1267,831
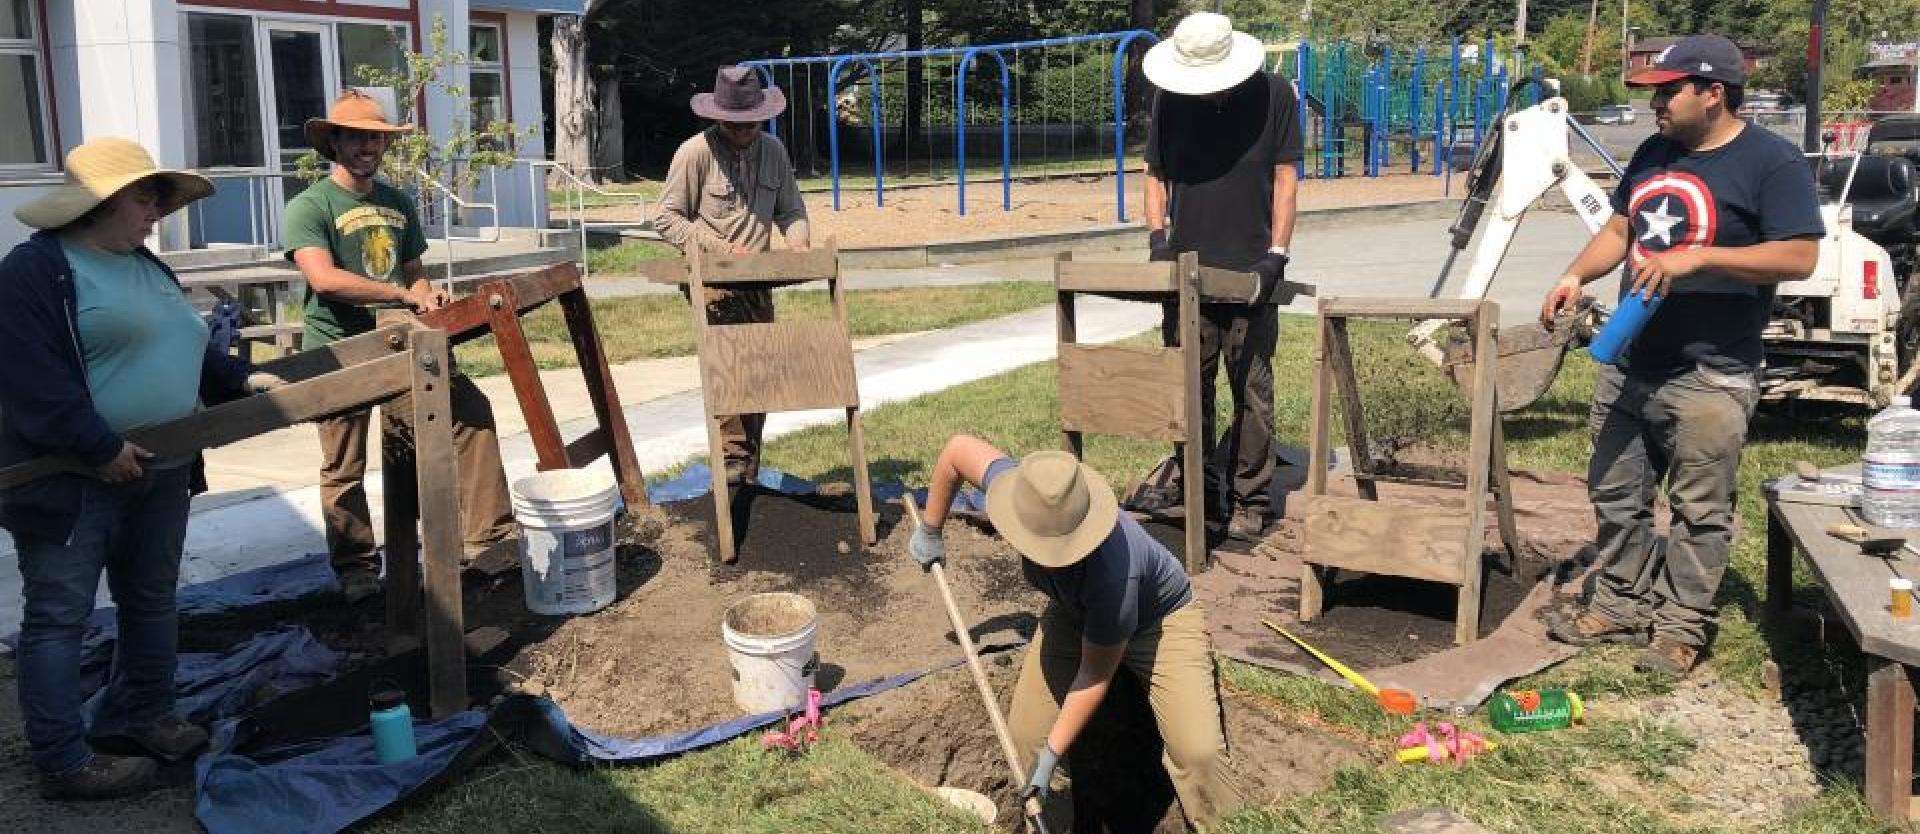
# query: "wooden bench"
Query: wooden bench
1856,586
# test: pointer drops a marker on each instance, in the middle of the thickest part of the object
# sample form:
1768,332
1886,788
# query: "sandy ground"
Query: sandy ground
922,215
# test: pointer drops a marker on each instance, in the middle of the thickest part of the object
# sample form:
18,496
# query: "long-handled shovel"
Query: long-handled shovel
987,698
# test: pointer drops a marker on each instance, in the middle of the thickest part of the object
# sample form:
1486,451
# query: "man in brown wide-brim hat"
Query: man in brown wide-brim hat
727,188
358,242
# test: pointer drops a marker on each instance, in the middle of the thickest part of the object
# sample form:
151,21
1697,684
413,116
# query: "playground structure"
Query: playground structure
1367,108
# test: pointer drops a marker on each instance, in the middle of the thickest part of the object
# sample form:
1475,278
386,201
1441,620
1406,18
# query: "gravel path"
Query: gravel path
1754,757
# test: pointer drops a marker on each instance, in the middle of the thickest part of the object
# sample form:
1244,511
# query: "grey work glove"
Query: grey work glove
928,546
1157,247
1039,786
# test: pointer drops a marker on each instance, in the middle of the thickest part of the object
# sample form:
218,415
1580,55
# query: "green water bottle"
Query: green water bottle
1531,710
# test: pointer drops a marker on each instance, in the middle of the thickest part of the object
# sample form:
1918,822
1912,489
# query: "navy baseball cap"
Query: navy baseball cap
1698,56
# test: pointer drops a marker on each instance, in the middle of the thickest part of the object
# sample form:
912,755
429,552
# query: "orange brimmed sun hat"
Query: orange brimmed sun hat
353,110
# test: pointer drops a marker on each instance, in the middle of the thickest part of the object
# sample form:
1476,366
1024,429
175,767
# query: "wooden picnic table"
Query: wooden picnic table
1856,585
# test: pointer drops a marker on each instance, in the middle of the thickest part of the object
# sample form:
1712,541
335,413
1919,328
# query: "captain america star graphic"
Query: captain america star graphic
1670,210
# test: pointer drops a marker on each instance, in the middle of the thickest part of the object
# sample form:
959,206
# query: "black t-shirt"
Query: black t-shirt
1218,160
1754,189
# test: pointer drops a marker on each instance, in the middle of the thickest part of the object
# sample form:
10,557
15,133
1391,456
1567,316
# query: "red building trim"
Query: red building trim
328,9
54,155
499,19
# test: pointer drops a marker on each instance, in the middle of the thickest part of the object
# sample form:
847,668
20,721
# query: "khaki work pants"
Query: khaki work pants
1174,661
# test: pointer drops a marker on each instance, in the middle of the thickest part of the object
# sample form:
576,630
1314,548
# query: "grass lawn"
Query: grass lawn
654,326
625,258
857,174
1606,778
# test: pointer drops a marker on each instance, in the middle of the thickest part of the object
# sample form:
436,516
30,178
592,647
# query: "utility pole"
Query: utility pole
1520,23
1816,49
1586,50
1626,48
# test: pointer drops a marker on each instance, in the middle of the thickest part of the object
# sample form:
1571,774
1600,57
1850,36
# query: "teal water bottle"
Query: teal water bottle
392,723
1611,343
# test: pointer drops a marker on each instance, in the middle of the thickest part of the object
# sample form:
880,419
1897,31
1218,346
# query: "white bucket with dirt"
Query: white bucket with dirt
566,540
769,641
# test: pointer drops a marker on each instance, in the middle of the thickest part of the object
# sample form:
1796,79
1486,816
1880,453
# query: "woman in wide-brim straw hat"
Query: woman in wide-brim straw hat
99,341
1116,598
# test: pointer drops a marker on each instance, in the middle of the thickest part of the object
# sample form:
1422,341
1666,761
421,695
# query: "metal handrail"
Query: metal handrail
449,199
575,190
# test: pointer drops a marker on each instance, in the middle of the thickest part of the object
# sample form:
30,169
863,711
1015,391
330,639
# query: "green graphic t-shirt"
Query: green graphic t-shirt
370,236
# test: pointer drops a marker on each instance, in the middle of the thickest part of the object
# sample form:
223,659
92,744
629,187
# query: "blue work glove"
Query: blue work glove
928,546
1157,247
1040,785
1272,269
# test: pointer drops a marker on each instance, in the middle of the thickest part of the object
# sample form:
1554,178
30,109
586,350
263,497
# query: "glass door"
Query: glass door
300,83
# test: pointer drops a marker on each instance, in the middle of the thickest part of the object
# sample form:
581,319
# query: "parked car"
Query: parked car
1613,114
1763,104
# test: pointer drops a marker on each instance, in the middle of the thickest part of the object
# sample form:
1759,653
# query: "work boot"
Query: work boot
1668,656
1249,523
170,739
359,584
1590,627
105,777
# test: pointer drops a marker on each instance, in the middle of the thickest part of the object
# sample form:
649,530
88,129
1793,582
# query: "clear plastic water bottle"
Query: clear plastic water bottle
1891,469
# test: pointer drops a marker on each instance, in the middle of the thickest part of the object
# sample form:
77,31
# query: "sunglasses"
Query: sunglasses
739,127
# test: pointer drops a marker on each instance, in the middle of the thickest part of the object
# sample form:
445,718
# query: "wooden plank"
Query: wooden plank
663,270
385,340
362,385
400,496
1198,447
862,480
703,334
1480,464
781,366
1127,391
1779,566
1502,486
607,409
1385,537
440,520
588,447
1112,276
469,317
1400,308
1856,585
1340,362
1889,760
760,267
1319,450
501,300
1067,327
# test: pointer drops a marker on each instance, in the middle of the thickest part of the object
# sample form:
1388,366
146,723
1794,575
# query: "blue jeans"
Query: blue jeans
134,531
1684,433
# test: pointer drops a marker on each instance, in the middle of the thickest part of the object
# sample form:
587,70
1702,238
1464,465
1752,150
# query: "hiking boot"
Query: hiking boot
1590,627
105,777
1249,523
1668,656
170,739
357,585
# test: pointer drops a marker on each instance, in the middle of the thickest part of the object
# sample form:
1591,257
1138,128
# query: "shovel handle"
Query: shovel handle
987,698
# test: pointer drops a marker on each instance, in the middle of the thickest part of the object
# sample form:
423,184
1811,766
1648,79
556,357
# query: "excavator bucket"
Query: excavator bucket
1530,355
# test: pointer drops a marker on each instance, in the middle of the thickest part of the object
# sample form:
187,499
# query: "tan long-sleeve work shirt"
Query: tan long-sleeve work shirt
719,198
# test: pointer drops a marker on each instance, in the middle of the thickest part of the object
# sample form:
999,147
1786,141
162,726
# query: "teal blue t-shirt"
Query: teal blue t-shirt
142,341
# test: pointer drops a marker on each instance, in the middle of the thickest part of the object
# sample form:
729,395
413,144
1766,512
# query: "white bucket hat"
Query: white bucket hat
1204,55
1052,508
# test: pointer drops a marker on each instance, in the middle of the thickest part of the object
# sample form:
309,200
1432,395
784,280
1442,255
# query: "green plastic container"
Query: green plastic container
1528,710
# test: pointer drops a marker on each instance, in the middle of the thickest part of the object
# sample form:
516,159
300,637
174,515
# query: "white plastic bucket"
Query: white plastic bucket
769,641
566,540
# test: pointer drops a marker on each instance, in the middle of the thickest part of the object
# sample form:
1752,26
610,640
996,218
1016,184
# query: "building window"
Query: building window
485,82
375,56
23,111
226,92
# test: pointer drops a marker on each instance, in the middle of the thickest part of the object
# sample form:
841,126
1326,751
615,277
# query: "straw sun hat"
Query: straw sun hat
1204,55
99,169
1052,508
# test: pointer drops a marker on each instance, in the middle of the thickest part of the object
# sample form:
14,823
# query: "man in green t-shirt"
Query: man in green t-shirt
358,243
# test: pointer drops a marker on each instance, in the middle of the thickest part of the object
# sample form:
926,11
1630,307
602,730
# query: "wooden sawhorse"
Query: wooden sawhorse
1364,534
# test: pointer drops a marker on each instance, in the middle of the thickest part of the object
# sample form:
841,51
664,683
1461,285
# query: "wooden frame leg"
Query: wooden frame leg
722,502
438,482
503,318
1503,492
1194,485
578,310
1889,767
1313,591
400,498
862,485
1779,569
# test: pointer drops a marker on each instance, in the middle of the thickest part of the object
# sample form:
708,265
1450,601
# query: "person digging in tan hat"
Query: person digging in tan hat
358,242
1115,598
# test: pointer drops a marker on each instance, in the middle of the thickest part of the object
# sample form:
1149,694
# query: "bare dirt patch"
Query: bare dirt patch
932,213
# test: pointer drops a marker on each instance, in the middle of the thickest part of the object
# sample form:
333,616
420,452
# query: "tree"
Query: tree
576,103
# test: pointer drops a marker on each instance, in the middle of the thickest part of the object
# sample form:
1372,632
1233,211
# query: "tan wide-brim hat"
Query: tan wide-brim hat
1204,55
1052,508
353,110
99,169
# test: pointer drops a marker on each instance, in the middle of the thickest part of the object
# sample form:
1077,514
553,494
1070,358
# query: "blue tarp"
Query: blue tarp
211,686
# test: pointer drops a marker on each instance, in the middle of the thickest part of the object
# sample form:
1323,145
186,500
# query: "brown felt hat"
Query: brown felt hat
1052,508
353,110
738,97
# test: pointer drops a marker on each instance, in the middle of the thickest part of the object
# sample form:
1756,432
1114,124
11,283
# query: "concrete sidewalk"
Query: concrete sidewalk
269,509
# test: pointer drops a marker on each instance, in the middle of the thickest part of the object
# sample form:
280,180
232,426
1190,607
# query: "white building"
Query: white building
223,87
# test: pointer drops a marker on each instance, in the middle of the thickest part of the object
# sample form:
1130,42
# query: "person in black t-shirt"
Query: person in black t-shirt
1711,215
1221,183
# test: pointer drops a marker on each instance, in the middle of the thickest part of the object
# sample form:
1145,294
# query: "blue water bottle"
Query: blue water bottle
1625,323
392,724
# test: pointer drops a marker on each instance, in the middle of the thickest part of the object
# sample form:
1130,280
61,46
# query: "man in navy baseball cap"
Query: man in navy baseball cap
1710,57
